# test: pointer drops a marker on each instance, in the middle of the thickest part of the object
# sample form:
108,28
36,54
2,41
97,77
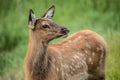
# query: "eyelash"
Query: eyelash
45,26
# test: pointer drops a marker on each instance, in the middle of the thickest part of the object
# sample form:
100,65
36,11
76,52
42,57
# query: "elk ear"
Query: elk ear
50,12
31,20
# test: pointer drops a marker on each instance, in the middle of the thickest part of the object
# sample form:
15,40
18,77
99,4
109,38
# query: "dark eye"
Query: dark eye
45,26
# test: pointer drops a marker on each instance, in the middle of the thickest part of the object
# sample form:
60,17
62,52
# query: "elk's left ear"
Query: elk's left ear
50,12
31,20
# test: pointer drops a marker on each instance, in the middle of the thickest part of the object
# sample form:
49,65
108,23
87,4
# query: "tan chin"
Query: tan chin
64,36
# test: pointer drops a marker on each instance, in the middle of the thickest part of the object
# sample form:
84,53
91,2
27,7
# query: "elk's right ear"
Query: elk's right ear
31,20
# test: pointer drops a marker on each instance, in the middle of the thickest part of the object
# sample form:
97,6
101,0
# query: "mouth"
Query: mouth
65,32
64,36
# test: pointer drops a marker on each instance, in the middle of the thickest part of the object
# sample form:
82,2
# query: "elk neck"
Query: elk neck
37,55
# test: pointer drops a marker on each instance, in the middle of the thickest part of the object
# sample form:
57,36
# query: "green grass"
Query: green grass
101,16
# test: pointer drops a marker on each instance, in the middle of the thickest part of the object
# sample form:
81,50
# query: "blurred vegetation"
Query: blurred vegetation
102,16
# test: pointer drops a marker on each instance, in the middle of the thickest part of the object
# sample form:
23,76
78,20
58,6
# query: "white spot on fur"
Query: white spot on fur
79,37
57,69
80,76
98,48
90,59
76,39
76,57
77,66
71,67
88,46
83,72
93,53
82,65
69,41
86,51
73,60
81,54
65,66
62,65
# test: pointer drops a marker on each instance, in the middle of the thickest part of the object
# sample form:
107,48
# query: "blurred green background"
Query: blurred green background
101,16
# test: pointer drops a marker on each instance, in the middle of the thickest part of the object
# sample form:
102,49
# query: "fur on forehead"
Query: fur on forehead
44,19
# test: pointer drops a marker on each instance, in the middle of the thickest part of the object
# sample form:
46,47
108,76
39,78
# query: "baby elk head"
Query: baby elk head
44,28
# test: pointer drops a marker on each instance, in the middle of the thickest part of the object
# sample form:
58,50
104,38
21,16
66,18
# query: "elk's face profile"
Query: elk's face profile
44,27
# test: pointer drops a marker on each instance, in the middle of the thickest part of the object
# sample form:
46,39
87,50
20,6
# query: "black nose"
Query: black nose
65,31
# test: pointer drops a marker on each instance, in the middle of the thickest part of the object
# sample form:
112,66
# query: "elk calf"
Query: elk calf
79,57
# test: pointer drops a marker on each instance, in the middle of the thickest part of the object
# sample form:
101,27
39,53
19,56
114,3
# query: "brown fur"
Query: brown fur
39,61
79,57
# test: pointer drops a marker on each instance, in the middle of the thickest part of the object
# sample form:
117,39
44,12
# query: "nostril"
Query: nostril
67,31
64,30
